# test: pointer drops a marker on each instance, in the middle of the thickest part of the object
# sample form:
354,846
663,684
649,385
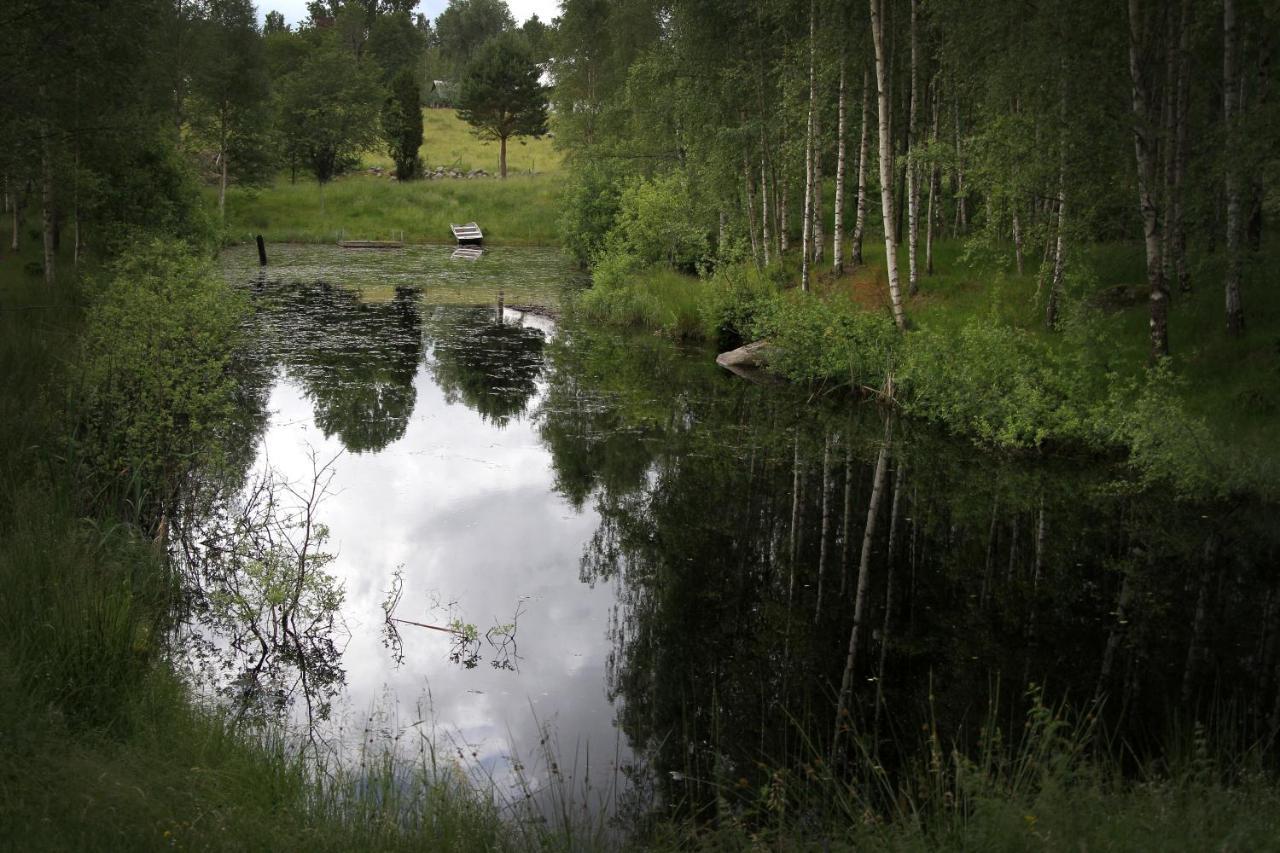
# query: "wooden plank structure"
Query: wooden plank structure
467,253
468,235
371,244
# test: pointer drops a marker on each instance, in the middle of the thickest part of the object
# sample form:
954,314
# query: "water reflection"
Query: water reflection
801,581
730,578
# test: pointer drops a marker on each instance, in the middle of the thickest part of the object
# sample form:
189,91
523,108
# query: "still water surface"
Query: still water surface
662,562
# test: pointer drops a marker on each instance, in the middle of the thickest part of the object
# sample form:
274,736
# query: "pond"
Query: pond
585,555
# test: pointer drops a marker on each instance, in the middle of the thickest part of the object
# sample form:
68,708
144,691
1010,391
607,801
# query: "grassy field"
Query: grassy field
448,141
520,211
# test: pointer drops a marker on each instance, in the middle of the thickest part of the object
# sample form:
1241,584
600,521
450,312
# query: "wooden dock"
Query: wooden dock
467,235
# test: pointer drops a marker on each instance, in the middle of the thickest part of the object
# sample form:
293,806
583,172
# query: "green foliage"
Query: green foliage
402,125
626,292
817,340
736,296
329,111
465,25
587,212
155,390
996,383
657,223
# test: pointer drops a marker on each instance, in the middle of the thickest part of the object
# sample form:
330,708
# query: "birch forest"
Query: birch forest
1029,131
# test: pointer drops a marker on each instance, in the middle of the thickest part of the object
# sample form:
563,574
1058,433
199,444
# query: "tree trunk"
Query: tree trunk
222,176
837,225
1230,93
860,218
13,242
764,211
886,163
806,215
819,250
913,189
962,214
1017,239
751,211
931,224
47,201
1059,254
844,523
826,525
1144,144
860,593
898,478
502,158
1183,106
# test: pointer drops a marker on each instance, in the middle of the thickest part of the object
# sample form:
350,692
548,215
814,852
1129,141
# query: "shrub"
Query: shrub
156,393
657,224
819,340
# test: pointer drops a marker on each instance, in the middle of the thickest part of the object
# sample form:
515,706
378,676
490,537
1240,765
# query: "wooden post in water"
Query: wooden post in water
500,301
262,252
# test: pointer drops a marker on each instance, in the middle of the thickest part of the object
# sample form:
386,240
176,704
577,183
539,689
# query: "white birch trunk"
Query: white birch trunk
818,239
860,217
1183,104
47,201
806,215
1144,153
1230,95
764,211
886,164
913,190
860,592
837,224
826,526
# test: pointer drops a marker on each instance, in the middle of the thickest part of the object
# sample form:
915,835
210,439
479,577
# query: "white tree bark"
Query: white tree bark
1230,109
826,525
886,164
806,215
1144,145
860,591
764,211
47,200
837,225
913,189
860,217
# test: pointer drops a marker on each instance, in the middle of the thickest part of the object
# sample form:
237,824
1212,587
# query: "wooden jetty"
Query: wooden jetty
371,244
467,235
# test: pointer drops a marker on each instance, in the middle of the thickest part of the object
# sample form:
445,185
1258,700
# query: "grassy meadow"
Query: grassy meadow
520,211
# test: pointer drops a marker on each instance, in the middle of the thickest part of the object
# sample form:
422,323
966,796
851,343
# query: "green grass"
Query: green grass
520,211
449,141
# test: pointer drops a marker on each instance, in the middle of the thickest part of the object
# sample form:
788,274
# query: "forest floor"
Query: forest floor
363,205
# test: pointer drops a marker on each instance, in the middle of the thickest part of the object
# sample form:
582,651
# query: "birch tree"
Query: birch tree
1145,141
886,163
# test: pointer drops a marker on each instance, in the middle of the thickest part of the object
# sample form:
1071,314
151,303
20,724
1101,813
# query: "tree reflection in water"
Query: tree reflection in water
265,606
945,572
483,361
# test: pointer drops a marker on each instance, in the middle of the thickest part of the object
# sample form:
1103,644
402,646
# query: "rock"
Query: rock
752,356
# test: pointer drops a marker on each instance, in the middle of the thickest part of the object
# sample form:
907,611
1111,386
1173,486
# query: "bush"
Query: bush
817,340
156,392
588,212
657,223
733,299
997,384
